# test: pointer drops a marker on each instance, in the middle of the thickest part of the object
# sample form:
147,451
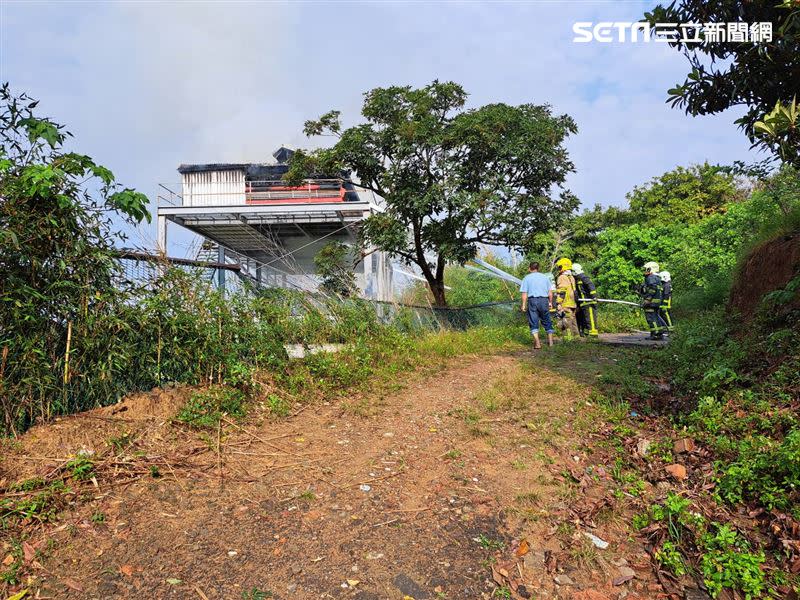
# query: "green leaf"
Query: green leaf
42,129
132,203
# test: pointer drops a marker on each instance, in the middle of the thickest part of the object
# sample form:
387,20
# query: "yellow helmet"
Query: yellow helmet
652,267
564,264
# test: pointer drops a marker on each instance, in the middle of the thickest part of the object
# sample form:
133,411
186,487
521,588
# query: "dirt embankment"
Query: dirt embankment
491,479
769,267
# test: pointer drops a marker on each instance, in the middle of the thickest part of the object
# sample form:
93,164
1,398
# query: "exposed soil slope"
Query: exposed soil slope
424,493
770,266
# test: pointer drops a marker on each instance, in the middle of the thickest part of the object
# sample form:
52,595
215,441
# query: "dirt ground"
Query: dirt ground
481,480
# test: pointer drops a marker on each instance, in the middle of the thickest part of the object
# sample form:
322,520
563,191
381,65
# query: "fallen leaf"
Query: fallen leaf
622,579
28,552
524,548
549,561
353,582
19,595
795,568
173,581
126,570
72,584
8,560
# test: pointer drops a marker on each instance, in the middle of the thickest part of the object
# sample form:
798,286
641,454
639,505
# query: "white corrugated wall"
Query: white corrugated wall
214,188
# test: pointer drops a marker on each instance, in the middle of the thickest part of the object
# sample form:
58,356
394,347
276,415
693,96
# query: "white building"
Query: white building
273,230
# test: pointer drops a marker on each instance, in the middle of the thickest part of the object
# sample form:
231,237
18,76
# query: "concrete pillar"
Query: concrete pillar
369,287
221,272
162,235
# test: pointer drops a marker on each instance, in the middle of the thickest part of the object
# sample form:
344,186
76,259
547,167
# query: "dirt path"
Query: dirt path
424,493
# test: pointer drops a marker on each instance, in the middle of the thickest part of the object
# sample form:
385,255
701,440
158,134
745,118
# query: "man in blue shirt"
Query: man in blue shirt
537,300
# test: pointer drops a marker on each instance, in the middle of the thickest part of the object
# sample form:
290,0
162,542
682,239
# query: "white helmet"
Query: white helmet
665,276
652,267
577,269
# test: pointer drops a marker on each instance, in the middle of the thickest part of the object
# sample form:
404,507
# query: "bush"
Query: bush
205,408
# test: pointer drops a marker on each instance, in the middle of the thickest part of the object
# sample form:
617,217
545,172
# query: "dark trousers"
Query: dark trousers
587,318
654,321
665,314
539,311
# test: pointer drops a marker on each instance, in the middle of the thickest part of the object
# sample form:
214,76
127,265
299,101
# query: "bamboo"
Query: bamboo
66,354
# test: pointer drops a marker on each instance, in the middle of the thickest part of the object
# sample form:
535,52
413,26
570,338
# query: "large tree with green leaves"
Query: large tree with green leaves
451,178
684,195
764,77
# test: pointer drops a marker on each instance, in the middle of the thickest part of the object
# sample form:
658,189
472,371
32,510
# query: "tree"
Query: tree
450,178
56,247
780,132
334,263
577,237
624,250
684,195
725,74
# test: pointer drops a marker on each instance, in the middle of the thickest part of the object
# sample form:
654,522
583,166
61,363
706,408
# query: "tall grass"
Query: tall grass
184,331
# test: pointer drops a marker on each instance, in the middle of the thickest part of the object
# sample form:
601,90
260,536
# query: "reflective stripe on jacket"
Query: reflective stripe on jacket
565,289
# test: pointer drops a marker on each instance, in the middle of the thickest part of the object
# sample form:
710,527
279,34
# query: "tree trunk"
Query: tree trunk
437,289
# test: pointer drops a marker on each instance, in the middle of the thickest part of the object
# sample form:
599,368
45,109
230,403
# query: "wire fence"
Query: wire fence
142,272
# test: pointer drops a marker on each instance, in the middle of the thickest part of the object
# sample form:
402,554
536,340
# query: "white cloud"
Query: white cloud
146,86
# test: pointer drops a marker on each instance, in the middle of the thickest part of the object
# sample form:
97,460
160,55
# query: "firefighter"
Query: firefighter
566,305
666,298
587,301
651,293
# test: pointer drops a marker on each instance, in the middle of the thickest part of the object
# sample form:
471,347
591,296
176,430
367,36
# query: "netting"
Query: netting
143,274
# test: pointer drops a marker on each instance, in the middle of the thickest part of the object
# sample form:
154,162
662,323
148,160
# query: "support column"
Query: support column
162,235
369,289
221,272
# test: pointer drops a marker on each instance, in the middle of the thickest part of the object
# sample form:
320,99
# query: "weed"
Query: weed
155,472
477,431
80,468
519,465
584,553
277,406
99,517
487,543
10,575
27,485
205,408
670,558
41,506
307,496
452,454
528,498
565,529
728,563
256,594
471,417
120,442
489,400
502,592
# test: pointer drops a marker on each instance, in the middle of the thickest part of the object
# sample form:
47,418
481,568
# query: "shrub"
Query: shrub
205,408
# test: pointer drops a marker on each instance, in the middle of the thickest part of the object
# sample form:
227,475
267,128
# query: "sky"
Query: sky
146,86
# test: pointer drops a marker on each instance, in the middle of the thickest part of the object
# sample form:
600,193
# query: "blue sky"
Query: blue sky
145,86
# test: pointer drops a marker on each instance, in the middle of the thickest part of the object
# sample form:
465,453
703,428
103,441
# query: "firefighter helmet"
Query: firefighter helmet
577,269
564,264
651,267
665,276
